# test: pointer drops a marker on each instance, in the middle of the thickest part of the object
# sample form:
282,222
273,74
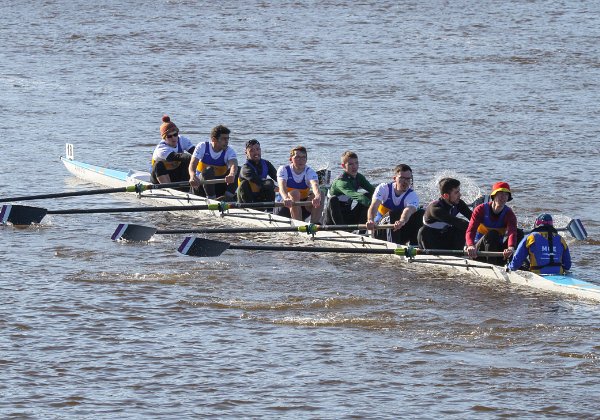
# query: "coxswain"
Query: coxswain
536,252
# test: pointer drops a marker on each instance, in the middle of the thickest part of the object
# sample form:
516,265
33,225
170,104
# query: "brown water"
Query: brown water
496,91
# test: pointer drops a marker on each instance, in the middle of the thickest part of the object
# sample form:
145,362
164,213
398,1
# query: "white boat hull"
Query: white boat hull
559,284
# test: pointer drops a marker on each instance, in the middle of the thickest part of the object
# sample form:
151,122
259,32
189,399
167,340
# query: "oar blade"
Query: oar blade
198,247
136,233
576,229
21,215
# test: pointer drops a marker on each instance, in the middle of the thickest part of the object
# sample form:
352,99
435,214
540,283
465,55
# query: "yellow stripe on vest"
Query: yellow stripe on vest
219,170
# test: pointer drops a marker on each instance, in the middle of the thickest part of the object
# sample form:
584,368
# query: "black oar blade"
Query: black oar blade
21,215
197,247
575,228
133,232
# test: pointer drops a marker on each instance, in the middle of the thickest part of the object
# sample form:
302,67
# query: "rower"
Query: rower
442,229
397,202
214,159
535,251
172,155
256,182
297,182
490,223
346,204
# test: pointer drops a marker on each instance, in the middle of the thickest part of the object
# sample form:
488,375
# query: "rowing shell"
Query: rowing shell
567,285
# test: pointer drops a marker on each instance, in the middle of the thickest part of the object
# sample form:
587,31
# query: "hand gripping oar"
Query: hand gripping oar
26,215
137,188
131,232
199,247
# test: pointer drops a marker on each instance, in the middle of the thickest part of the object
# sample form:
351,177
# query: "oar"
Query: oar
574,227
26,215
137,188
131,232
199,247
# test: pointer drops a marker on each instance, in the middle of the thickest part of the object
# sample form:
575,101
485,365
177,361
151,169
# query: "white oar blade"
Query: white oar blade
21,215
576,229
135,233
199,247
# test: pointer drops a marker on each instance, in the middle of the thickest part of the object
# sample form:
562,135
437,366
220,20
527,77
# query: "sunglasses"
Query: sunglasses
173,134
251,143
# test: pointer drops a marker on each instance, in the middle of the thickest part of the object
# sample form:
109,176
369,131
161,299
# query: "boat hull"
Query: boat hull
565,285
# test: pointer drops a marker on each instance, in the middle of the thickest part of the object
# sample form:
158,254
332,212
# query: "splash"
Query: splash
429,191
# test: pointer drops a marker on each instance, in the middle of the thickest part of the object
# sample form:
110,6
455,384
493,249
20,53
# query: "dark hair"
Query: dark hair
448,184
402,168
347,155
218,130
298,149
251,143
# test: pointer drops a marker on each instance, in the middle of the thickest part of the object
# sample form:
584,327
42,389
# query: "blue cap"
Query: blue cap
544,219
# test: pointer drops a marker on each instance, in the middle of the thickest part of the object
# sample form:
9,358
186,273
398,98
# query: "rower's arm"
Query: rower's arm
346,187
272,170
283,190
314,186
474,222
249,174
519,257
180,157
233,166
406,213
375,203
192,167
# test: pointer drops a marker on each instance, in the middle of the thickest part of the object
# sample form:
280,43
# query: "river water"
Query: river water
488,91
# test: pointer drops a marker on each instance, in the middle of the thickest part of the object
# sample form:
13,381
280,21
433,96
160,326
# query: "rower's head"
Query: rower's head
169,131
219,137
350,163
253,151
543,219
450,190
403,177
501,192
298,157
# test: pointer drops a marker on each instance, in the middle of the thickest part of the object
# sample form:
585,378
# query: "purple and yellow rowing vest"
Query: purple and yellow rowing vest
301,186
170,165
219,165
388,205
489,224
264,173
